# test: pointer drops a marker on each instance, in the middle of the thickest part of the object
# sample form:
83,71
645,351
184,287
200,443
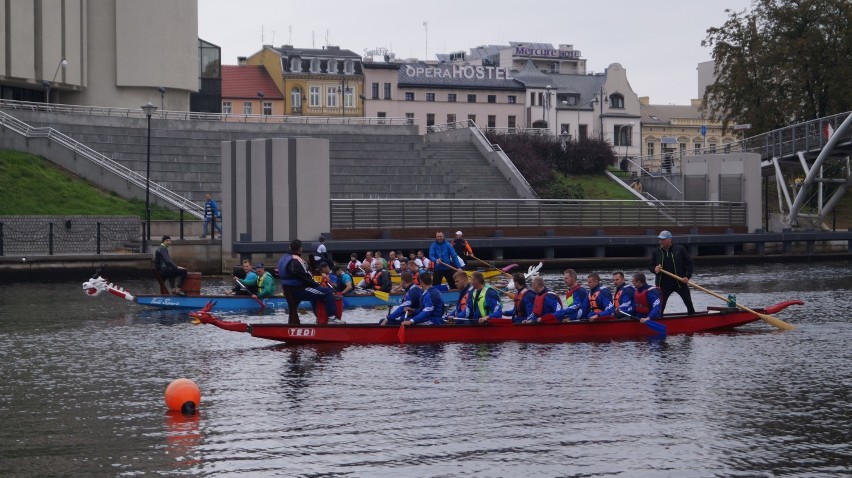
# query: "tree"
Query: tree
782,62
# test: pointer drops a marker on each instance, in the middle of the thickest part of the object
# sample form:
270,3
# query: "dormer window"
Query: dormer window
331,67
296,64
349,67
616,101
315,65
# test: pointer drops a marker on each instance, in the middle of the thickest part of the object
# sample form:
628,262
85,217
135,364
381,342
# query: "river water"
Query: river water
82,382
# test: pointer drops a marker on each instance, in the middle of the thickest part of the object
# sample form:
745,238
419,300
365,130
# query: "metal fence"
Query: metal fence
419,213
50,235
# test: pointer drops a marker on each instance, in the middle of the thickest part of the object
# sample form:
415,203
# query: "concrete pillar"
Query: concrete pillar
498,253
549,253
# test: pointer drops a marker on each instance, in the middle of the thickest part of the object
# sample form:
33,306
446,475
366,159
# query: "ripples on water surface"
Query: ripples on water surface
81,393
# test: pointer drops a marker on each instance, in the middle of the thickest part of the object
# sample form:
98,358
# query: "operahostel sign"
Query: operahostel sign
546,52
467,72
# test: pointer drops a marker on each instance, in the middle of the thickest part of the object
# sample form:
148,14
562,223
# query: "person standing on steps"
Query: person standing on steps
675,259
211,215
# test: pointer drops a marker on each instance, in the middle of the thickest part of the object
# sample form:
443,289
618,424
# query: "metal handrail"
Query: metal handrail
454,213
190,115
27,131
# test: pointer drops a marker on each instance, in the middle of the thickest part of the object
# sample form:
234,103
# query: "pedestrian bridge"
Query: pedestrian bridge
809,161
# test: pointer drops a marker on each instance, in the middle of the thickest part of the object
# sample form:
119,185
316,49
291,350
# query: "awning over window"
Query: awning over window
668,140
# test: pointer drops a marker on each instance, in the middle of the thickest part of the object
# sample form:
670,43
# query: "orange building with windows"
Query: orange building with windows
250,90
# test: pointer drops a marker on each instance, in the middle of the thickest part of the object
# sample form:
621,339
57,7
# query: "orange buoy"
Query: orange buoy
183,395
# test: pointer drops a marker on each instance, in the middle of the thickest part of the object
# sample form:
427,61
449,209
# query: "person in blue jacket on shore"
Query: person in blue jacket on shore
647,299
442,254
545,302
432,310
211,214
410,301
483,302
576,306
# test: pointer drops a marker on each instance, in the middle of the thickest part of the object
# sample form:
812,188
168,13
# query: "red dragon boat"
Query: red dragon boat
500,330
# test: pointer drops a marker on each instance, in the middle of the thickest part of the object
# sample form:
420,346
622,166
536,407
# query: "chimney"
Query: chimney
241,60
645,100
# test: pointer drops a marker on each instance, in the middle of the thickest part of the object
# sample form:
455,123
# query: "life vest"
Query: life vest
286,279
593,301
538,305
429,264
520,306
463,298
352,267
569,296
479,300
643,308
262,280
616,300
376,279
415,277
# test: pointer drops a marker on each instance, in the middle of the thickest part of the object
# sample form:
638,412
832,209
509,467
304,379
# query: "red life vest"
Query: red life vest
643,308
569,295
617,299
375,280
520,310
353,266
416,277
538,305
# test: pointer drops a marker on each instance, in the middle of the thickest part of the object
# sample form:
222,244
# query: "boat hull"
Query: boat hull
583,331
246,303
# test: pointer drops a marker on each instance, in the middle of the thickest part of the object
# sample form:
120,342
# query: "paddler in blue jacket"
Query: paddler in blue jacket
461,310
545,302
441,253
410,301
576,305
432,310
601,306
524,299
623,300
294,273
647,299
483,302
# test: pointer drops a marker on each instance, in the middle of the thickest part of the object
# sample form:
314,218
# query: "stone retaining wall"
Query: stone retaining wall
22,235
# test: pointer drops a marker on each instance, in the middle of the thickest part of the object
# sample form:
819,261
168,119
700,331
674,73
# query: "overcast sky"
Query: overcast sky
657,41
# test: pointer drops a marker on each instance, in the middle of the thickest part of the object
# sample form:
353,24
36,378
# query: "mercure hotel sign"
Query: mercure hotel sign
459,72
546,52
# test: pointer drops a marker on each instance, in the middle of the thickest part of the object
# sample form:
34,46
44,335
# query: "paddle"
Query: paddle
381,295
491,267
764,317
657,327
400,334
243,286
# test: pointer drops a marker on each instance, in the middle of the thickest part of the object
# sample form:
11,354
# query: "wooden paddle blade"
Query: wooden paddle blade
776,322
381,295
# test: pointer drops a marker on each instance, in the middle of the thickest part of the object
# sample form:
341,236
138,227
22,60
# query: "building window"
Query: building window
512,99
315,96
565,128
650,148
451,97
409,118
375,91
682,148
471,118
381,114
226,107
621,134
430,96
541,99
532,99
331,97
387,91
492,98
247,107
315,65
349,67
696,147
409,96
451,117
492,121
511,121
471,98
572,100
296,99
584,131
295,64
267,108
712,148
331,67
430,119
616,101
349,98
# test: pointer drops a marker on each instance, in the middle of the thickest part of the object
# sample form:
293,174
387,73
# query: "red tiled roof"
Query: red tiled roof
244,81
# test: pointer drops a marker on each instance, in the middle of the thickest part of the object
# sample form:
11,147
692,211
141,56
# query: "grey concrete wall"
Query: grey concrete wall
745,164
29,235
278,190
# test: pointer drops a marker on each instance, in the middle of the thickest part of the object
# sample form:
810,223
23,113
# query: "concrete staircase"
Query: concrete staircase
366,161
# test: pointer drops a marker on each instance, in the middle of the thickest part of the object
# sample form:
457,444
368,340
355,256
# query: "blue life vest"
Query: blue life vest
284,275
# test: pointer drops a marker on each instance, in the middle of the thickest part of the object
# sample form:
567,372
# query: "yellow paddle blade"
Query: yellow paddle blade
776,322
381,295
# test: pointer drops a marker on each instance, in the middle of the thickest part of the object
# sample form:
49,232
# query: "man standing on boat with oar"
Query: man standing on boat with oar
295,275
675,259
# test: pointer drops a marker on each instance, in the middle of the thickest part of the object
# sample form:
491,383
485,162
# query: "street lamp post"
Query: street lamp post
149,109
162,98
546,106
601,100
63,63
260,96
363,105
343,89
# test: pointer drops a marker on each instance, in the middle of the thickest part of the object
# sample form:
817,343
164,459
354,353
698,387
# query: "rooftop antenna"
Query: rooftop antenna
426,34
313,39
326,37
290,42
